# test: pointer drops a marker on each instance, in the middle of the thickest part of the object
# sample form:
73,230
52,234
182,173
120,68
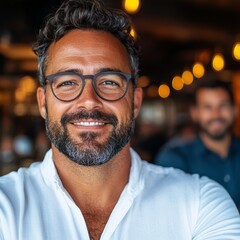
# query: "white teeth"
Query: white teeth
88,123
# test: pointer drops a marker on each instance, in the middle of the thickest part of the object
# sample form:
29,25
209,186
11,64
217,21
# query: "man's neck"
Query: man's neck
96,189
220,146
86,184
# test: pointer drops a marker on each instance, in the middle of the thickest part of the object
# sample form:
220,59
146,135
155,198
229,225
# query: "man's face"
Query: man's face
214,113
88,130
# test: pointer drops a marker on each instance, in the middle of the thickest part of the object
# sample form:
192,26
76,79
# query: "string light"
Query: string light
131,6
133,33
198,70
218,62
163,91
177,83
187,77
143,81
236,51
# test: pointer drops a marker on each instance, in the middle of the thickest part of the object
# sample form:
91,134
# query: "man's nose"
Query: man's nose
89,98
216,111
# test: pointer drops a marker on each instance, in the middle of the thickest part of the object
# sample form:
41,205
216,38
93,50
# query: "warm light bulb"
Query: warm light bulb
143,81
236,51
198,70
133,33
187,77
177,83
218,62
131,6
163,91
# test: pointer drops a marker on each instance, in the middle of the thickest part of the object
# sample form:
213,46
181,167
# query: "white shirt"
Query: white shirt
157,203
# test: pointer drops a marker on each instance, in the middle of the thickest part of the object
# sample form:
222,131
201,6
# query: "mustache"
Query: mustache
85,115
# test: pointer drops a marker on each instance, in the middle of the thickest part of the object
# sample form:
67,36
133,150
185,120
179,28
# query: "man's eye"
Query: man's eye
66,83
110,83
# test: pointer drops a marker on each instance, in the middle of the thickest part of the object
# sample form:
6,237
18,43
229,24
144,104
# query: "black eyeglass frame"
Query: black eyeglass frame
51,77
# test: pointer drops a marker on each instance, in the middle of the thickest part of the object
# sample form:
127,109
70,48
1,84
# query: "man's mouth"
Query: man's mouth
88,124
216,122
89,119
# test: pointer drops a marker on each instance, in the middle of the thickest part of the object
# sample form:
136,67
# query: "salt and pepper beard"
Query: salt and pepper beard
89,152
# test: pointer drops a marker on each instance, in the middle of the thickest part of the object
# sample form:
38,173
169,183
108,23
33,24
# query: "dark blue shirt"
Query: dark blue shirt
194,157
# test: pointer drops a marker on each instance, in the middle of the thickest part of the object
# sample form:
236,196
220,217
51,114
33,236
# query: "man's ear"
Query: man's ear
138,95
41,101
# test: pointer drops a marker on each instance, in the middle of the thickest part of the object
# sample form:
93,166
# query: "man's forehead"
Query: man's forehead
87,40
88,48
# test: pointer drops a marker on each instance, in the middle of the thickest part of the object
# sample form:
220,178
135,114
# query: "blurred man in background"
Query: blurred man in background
215,152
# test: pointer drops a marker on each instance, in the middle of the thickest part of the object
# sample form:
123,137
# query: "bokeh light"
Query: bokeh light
143,81
218,62
163,91
131,6
133,33
177,83
187,77
236,51
198,70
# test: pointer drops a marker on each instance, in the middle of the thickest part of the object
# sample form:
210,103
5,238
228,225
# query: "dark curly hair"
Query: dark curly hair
85,14
214,84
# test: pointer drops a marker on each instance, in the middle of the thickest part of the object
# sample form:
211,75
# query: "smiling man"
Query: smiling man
95,120
91,184
215,152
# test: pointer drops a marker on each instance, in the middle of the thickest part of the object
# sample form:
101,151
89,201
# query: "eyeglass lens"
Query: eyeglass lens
110,86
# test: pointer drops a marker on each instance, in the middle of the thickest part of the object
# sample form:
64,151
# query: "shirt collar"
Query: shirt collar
134,185
49,171
202,149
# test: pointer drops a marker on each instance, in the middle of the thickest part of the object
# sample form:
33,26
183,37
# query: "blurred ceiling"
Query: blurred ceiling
173,34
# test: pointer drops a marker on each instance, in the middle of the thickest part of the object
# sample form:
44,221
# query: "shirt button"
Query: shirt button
227,178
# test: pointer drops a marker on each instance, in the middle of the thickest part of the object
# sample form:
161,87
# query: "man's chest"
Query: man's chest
96,222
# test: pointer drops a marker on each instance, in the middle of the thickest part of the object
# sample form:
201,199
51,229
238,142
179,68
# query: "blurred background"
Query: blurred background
183,42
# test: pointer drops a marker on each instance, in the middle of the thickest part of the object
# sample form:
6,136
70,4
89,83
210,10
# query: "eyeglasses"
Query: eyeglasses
110,85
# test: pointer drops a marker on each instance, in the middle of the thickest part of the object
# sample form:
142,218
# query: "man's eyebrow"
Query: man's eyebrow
108,70
80,71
